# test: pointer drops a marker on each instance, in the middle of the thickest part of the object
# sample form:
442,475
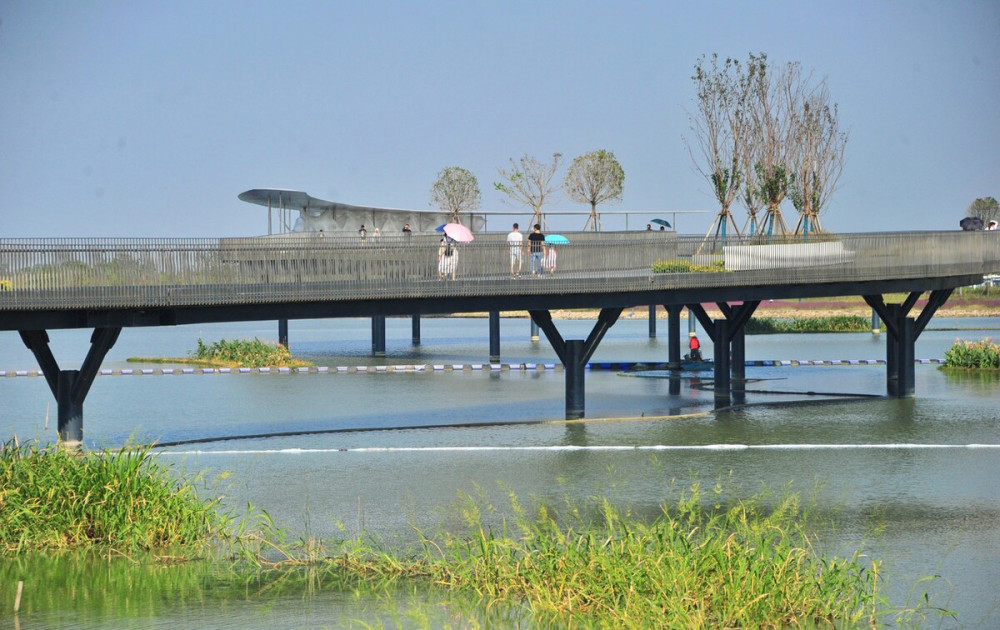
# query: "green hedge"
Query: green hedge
686,266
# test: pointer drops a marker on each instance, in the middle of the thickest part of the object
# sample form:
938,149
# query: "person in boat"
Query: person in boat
694,347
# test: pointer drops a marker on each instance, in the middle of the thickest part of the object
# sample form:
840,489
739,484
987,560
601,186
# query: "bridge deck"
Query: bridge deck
68,283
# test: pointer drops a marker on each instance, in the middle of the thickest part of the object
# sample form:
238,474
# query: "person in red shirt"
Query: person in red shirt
695,347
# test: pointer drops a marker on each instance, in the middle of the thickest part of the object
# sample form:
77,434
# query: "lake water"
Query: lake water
914,481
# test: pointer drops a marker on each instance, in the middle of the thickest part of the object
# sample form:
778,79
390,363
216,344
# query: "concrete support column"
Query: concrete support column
283,332
416,329
575,397
534,332
378,335
495,336
652,321
739,355
722,366
892,352
674,335
70,411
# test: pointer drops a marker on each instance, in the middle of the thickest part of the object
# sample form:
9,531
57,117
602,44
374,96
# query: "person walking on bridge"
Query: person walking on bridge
516,241
537,247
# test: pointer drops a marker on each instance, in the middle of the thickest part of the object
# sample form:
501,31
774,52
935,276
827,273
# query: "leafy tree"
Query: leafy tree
594,178
456,190
528,182
985,208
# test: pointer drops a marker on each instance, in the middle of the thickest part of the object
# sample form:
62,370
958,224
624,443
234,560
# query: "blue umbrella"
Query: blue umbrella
662,222
440,228
556,239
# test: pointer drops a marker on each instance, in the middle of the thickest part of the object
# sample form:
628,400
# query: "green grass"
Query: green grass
836,323
124,500
686,266
979,355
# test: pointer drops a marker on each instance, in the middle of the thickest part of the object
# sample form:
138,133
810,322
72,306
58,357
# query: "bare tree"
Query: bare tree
528,183
720,132
594,178
774,95
456,190
818,161
985,208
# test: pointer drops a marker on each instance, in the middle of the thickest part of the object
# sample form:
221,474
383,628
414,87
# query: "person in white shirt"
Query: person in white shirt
516,241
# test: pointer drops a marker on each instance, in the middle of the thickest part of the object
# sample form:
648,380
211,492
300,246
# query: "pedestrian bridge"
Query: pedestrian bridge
110,284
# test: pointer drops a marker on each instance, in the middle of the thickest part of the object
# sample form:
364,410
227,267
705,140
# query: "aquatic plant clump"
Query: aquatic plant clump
50,499
835,323
243,352
982,355
688,568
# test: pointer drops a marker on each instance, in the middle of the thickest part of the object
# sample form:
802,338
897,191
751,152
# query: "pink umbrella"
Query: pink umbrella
458,232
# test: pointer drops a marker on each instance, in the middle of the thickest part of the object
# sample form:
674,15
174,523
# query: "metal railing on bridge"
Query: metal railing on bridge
139,273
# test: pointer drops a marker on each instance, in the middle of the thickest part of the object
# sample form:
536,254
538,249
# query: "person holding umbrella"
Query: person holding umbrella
550,257
447,258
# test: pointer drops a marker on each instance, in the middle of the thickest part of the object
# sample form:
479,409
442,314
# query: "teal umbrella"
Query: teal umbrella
662,222
556,239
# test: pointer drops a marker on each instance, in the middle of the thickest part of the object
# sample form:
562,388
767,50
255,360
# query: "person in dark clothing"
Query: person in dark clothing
536,247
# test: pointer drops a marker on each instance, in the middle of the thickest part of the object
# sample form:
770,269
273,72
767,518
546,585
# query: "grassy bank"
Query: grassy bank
836,323
121,500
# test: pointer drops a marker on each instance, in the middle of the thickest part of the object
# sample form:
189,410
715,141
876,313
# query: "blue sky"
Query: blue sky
149,118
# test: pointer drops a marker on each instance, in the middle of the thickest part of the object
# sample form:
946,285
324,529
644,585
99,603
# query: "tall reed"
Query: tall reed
691,567
123,500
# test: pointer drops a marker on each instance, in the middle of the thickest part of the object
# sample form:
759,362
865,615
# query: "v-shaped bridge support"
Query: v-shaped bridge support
903,332
728,342
70,387
574,354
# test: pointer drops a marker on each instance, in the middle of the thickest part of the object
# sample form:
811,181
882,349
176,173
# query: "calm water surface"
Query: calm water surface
914,481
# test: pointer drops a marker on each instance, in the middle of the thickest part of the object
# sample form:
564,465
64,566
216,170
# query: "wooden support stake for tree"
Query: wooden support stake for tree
17,597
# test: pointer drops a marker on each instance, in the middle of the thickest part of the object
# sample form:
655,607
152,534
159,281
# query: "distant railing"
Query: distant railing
149,273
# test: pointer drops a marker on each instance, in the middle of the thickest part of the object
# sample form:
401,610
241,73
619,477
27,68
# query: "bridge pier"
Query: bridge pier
652,321
283,333
673,335
70,387
494,336
415,328
727,337
900,375
378,335
575,353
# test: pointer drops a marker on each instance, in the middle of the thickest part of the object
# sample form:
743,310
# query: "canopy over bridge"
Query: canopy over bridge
335,218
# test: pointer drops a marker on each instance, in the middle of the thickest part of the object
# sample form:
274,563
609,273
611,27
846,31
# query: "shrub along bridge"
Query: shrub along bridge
110,284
